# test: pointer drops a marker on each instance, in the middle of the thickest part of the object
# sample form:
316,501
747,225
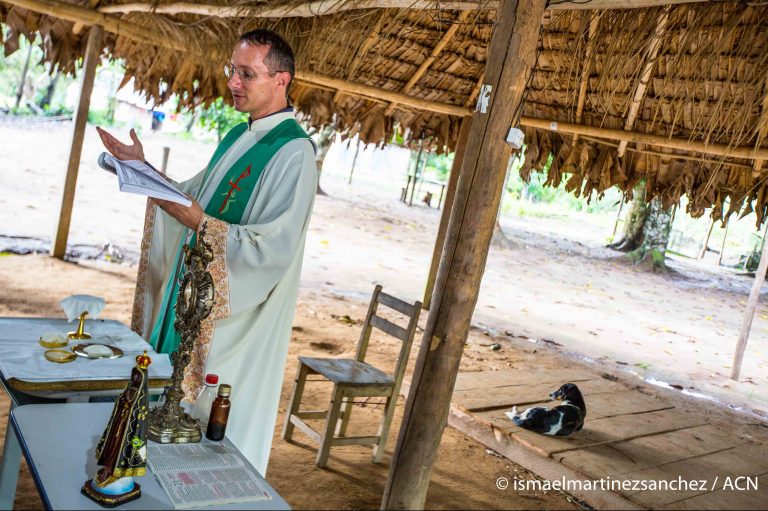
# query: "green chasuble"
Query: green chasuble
232,195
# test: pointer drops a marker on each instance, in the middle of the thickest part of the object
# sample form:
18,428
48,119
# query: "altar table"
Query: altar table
59,440
28,377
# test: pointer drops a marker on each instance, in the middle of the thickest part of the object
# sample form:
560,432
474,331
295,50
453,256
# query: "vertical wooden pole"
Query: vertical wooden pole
437,251
722,247
354,160
416,169
91,60
749,313
705,242
511,58
618,216
166,154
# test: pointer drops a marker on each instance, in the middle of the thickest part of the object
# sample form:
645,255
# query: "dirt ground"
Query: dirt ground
555,287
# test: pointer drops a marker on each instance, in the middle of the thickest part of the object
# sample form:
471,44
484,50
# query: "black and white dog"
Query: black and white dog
561,420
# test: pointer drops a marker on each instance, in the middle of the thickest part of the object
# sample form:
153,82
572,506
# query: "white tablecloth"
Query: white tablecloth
21,356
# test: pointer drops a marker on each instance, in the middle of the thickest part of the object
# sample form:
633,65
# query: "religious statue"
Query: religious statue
122,450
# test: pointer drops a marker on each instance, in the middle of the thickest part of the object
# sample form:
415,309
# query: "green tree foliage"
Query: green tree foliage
438,166
36,83
220,117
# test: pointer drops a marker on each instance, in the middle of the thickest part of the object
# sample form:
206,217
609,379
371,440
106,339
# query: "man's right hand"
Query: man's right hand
122,151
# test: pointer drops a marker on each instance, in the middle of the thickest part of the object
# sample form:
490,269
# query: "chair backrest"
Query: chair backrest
405,335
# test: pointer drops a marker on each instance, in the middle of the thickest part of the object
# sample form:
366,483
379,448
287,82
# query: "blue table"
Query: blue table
50,382
59,440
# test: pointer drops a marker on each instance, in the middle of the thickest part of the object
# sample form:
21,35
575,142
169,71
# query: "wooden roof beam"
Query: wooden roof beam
327,7
75,14
305,10
78,27
359,89
748,153
642,84
614,4
439,47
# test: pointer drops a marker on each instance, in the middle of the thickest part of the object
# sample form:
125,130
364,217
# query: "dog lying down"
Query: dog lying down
561,420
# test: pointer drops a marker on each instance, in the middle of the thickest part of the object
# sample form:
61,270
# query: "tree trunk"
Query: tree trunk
191,123
655,237
324,142
46,101
632,234
23,79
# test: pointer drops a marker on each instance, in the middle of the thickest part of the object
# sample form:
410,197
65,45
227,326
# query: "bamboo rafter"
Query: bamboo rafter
593,24
642,83
762,130
441,44
369,41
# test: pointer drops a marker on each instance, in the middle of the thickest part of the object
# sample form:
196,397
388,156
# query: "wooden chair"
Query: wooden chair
354,378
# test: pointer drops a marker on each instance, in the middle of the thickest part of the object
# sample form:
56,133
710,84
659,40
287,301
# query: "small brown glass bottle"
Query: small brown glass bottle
217,423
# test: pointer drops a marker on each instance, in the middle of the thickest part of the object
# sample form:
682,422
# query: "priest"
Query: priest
255,199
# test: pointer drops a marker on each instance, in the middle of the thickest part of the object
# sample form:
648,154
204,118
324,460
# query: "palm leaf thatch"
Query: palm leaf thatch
693,71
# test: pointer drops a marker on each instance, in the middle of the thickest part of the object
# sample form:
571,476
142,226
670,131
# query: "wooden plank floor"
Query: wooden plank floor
632,433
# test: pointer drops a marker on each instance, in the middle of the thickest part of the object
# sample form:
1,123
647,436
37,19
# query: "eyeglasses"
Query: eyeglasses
245,76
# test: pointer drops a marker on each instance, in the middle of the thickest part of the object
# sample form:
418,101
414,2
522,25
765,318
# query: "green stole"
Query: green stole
227,203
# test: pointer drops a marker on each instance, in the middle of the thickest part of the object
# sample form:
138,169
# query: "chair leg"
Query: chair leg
346,411
330,426
386,422
293,407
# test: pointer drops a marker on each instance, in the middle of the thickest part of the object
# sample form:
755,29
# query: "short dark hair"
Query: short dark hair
280,55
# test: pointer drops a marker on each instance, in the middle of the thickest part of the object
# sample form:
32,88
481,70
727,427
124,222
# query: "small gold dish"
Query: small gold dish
53,340
60,356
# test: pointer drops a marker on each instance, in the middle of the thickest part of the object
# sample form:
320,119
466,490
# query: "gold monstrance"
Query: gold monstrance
169,423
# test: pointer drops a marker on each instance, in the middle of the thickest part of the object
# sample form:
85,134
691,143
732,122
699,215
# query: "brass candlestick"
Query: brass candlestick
80,333
169,423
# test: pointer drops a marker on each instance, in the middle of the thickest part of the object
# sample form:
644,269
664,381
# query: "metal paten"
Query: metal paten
169,423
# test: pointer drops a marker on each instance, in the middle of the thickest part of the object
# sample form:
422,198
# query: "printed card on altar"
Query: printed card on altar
134,176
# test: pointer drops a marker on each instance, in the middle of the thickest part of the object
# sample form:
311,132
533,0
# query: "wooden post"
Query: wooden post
705,243
166,154
416,169
511,58
618,216
91,60
749,313
722,247
458,158
352,170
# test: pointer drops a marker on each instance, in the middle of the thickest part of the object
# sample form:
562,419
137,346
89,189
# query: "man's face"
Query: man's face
258,93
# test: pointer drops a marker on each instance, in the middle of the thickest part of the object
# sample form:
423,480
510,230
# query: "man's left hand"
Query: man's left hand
190,216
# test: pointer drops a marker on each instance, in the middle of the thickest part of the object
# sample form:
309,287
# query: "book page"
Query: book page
211,487
134,176
167,457
204,474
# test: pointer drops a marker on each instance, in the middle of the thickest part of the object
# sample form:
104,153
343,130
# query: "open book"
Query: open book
134,176
204,474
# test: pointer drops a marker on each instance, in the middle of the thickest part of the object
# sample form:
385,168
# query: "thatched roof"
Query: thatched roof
693,71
